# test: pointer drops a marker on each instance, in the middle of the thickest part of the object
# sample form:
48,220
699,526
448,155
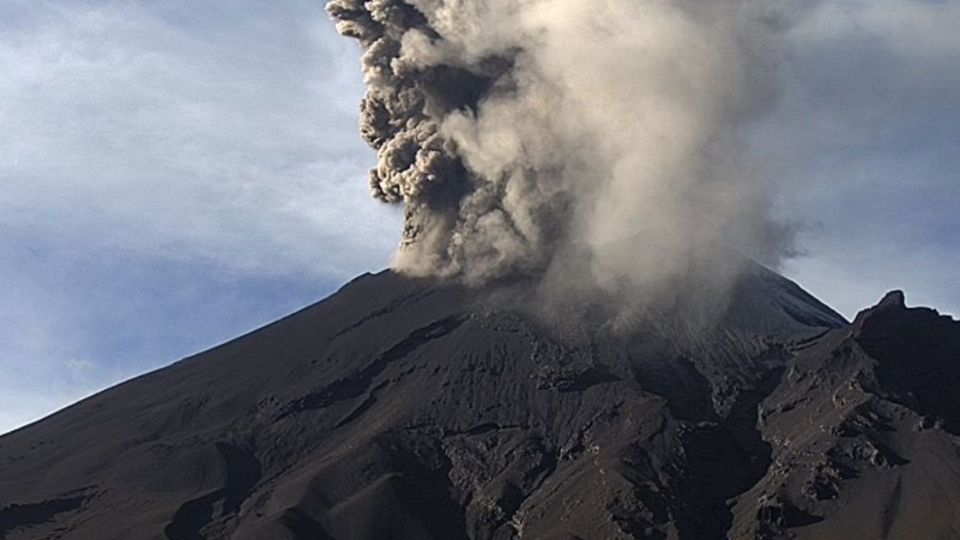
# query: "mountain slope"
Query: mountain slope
405,408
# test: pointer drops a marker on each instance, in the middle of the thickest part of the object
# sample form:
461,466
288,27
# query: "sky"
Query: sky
174,174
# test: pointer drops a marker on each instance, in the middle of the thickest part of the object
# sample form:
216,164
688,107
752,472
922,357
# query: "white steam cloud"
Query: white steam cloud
543,135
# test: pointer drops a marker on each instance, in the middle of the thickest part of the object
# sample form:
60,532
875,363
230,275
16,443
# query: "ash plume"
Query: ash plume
595,138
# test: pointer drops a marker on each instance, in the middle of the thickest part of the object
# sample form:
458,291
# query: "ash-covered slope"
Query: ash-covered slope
403,408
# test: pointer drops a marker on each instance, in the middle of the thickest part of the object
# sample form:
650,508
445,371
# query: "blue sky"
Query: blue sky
173,174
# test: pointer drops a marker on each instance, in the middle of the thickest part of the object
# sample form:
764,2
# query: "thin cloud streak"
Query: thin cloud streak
866,138
137,133
171,175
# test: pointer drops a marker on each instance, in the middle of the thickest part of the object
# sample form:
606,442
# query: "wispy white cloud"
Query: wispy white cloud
146,135
866,139
171,174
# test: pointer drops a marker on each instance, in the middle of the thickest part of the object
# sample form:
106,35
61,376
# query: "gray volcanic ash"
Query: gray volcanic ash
525,135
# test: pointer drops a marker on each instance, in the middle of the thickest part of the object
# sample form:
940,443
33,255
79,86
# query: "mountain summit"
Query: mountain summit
402,408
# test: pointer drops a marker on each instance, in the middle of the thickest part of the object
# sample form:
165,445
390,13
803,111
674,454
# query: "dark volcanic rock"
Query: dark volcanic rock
402,408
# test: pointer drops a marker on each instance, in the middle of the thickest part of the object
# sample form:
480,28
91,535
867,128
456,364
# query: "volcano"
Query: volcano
403,408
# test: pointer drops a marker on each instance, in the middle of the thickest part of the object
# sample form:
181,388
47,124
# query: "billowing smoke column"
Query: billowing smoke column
532,135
